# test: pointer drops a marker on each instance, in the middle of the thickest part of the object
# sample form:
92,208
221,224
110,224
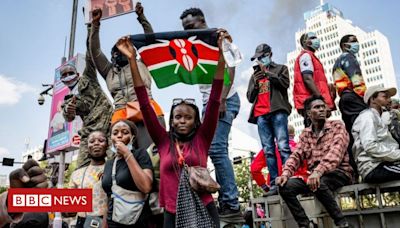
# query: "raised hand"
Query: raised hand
29,176
125,46
96,16
139,9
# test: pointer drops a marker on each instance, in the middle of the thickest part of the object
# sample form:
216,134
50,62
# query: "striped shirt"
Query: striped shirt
324,153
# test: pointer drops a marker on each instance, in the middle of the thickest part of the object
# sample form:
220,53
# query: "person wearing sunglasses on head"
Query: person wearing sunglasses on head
187,133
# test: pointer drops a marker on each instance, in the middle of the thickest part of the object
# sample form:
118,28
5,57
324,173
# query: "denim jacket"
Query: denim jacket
373,143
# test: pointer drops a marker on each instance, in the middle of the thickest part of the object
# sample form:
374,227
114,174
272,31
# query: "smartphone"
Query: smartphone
256,68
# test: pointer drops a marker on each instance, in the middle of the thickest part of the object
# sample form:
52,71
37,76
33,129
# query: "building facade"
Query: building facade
330,26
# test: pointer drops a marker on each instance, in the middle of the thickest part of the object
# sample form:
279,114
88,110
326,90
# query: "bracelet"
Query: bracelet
129,156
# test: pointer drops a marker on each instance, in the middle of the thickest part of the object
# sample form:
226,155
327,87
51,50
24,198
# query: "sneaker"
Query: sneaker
272,192
226,211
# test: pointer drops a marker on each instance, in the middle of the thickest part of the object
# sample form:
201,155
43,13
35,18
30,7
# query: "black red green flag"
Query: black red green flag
190,56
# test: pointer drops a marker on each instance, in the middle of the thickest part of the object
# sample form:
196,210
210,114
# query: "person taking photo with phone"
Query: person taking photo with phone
267,91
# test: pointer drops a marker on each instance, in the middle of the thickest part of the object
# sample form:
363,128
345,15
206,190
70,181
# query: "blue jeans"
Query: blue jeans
228,194
271,127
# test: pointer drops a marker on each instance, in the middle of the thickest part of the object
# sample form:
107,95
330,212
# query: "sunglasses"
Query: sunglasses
178,101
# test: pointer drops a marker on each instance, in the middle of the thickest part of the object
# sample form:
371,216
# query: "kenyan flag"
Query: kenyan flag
190,57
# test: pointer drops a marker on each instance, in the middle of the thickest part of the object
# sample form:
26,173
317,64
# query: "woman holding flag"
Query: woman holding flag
187,141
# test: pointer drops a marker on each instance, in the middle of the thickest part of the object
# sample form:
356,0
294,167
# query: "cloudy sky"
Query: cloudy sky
34,32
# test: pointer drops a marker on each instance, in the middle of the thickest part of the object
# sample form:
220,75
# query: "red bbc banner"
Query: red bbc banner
47,199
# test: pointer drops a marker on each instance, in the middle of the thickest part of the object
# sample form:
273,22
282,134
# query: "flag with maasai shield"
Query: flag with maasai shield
190,57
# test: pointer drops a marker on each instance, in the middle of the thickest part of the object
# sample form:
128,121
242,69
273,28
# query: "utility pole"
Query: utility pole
57,222
73,29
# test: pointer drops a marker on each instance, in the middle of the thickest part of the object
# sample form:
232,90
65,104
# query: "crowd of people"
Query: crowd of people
125,162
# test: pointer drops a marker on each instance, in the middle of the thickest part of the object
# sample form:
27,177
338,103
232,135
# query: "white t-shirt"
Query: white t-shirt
306,65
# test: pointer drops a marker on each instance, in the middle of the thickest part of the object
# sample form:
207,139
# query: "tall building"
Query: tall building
330,26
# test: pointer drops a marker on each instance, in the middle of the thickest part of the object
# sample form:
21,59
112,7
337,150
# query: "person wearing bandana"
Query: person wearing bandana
267,91
86,100
309,77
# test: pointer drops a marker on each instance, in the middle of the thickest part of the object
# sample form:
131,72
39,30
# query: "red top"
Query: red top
300,91
262,106
259,163
195,152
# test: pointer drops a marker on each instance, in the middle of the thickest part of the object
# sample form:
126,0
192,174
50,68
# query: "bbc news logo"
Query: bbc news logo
45,200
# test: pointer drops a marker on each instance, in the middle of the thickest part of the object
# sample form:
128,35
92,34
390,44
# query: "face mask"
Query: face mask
129,145
315,44
354,47
70,80
266,61
120,60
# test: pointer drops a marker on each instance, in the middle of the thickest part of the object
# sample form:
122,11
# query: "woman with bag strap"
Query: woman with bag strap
127,179
186,131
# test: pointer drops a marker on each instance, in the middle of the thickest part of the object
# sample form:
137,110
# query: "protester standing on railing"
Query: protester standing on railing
350,86
228,195
267,91
309,77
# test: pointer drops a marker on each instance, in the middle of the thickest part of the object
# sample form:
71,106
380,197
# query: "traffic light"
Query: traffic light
8,161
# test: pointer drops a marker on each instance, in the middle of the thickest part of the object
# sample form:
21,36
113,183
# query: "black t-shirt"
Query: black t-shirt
123,175
125,180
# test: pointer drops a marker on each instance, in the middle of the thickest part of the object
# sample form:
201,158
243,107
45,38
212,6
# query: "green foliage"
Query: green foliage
68,172
3,189
243,178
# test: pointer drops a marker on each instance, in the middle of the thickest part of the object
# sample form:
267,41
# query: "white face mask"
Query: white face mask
70,80
129,145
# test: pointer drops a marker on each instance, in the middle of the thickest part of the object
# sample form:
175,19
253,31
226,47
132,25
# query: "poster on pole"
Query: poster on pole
110,8
62,135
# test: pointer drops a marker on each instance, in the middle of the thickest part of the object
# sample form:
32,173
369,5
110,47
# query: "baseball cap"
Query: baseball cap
260,50
374,89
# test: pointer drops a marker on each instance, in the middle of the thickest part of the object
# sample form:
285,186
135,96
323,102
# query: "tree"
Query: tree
243,178
3,189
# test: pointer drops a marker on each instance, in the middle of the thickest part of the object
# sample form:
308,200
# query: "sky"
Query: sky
33,34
